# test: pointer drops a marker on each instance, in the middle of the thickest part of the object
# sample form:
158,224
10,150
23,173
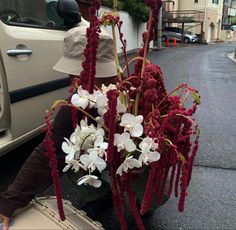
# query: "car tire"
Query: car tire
186,40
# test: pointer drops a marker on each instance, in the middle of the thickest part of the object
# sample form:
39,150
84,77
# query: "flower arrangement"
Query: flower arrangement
139,127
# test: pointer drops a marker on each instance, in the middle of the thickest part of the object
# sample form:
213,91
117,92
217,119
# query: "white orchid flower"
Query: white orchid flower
123,141
129,163
85,135
100,146
150,142
73,164
148,156
105,89
68,147
74,137
120,108
102,104
100,150
92,161
99,139
83,99
90,180
132,124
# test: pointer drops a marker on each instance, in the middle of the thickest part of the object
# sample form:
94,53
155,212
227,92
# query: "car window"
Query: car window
179,30
233,28
31,13
168,29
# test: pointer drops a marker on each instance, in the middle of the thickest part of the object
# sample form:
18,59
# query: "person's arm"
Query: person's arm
35,174
4,221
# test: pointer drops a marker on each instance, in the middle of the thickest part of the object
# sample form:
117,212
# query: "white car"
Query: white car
31,42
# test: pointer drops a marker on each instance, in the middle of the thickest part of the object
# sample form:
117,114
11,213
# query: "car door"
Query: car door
30,44
178,34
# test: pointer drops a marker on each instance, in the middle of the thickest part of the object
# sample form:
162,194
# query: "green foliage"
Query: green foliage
136,8
108,3
196,97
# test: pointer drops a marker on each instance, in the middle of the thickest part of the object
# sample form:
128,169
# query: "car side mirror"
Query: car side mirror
69,11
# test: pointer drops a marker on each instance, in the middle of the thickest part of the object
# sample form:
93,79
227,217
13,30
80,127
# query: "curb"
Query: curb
231,56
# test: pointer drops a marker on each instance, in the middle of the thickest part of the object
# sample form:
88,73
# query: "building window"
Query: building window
215,1
195,1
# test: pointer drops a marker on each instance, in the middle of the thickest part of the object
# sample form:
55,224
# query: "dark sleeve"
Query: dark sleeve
35,174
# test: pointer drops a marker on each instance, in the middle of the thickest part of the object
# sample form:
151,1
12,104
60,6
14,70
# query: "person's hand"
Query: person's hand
4,221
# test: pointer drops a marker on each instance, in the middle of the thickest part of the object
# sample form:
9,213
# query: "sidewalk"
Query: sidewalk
232,56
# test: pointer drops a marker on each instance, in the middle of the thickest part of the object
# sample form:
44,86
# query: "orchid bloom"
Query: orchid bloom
105,89
123,141
102,104
132,124
120,108
90,180
74,137
150,142
100,146
73,164
100,151
83,99
148,156
129,163
92,161
68,147
85,135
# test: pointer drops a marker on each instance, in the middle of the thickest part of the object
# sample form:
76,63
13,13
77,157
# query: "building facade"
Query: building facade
213,10
202,17
229,14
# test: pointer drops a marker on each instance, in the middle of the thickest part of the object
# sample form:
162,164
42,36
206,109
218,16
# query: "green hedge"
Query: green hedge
136,8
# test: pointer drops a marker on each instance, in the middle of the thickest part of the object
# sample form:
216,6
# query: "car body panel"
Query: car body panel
28,83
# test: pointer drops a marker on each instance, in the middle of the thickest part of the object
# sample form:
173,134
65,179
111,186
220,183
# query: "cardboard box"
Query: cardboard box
43,214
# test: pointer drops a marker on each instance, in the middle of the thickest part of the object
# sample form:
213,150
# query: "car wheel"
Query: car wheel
186,40
163,38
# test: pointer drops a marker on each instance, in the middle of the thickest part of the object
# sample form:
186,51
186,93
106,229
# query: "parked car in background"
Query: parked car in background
176,33
233,27
31,42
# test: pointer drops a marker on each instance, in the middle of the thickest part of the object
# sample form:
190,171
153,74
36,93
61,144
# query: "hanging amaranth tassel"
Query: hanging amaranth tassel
51,155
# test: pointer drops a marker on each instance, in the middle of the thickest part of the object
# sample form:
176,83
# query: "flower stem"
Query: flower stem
177,88
144,62
134,59
115,51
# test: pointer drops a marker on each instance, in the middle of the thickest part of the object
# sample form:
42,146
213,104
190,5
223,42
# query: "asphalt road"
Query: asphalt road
207,69
211,201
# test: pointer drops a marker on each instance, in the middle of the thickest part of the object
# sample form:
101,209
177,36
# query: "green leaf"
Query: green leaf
197,130
182,158
196,98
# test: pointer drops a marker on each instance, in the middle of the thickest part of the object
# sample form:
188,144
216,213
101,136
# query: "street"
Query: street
211,200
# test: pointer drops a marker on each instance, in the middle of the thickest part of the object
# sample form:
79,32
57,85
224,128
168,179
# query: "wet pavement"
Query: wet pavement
211,200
